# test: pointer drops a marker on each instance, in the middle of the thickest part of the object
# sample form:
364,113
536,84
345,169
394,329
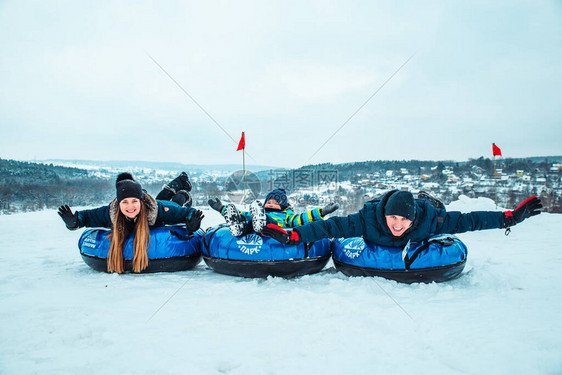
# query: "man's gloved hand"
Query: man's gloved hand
329,208
69,218
194,223
215,204
290,237
530,207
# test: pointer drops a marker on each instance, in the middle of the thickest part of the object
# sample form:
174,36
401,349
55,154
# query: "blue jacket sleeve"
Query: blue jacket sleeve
295,220
172,213
457,222
334,227
97,217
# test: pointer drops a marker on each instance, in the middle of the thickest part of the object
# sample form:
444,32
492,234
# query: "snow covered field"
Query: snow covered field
58,316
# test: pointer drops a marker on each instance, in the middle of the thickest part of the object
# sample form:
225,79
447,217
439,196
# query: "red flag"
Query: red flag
495,149
242,143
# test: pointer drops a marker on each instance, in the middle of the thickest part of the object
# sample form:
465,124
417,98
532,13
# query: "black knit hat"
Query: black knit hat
401,203
127,187
280,197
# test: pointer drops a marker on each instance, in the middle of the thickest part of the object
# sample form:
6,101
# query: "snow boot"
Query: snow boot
166,194
234,220
179,183
424,195
258,216
183,198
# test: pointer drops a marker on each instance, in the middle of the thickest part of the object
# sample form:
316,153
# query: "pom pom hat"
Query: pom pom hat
280,197
127,187
401,203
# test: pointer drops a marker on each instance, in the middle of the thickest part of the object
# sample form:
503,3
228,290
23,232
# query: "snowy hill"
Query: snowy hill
116,166
58,316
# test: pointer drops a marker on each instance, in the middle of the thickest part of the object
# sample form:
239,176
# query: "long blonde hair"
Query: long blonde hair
140,245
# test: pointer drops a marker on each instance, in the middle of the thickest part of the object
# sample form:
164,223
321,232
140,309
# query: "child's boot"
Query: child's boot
183,198
234,220
258,216
180,183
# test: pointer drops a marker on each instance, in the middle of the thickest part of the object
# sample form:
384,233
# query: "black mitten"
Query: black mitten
290,237
69,218
194,223
530,207
216,204
329,208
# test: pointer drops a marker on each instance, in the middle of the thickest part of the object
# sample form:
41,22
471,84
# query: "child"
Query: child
398,218
275,210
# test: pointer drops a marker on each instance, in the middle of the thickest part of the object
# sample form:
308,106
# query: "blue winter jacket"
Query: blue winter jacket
286,217
160,213
370,223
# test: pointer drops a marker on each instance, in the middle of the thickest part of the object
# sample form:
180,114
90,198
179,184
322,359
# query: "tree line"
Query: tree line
27,186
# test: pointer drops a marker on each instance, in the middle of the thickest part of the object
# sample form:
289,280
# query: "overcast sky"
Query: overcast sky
77,80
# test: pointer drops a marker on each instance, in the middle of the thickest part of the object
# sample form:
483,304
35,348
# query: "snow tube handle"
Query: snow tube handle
446,240
181,236
212,233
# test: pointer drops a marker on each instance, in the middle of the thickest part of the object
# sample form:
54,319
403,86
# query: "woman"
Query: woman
398,218
135,211
275,209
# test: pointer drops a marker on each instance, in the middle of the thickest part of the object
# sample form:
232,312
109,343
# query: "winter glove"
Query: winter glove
329,208
530,207
69,218
290,237
194,223
216,204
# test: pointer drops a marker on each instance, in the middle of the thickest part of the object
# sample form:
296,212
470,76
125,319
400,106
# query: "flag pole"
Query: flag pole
495,182
244,171
242,146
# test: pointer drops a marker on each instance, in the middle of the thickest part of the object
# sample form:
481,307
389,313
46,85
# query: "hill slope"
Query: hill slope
59,316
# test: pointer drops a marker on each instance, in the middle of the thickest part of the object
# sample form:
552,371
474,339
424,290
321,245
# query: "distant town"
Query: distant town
30,186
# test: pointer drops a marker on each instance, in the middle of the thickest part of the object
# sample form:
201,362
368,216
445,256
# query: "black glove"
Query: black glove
69,218
290,237
530,207
215,204
329,208
194,223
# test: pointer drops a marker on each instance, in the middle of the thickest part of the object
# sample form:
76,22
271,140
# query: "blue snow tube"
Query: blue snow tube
254,255
171,249
440,258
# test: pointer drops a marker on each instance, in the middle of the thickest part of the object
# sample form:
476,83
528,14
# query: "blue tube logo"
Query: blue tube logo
250,244
352,248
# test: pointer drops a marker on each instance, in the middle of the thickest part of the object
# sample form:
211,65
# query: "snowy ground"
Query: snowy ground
58,316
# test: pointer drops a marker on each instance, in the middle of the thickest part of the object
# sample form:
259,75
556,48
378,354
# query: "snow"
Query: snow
501,316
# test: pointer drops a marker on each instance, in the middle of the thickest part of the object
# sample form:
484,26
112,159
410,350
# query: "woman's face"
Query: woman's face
272,203
397,224
130,207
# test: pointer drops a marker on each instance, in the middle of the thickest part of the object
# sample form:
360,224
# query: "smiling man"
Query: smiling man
398,218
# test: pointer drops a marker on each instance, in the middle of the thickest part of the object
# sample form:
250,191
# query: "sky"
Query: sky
309,82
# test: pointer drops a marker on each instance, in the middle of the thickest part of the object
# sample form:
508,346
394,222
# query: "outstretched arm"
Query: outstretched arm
295,220
97,217
335,227
170,213
456,222
348,226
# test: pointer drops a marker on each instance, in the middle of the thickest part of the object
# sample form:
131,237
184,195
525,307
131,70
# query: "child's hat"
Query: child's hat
280,197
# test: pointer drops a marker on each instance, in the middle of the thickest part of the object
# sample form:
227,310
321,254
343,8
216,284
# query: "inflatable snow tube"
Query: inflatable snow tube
171,249
438,259
254,255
